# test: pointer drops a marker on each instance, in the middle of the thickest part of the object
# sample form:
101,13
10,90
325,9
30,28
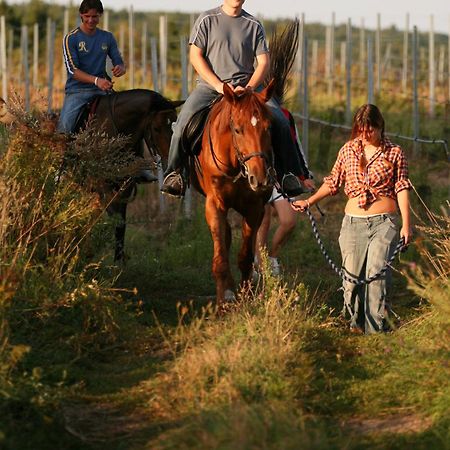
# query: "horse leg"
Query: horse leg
250,226
119,210
221,236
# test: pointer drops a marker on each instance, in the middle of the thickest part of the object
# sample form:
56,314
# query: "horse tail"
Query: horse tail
283,51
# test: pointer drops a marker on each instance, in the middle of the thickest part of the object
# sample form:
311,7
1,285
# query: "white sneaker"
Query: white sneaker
275,266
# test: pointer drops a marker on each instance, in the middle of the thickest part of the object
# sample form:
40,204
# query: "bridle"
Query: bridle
241,158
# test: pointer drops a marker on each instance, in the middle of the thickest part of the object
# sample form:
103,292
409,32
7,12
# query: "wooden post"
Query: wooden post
65,31
26,74
378,54
131,47
386,66
348,108
301,38
362,49
331,83
50,59
184,66
163,51
4,66
370,95
441,64
343,56
415,45
190,68
144,54
405,55
305,127
328,58
154,56
431,68
106,20
314,62
36,56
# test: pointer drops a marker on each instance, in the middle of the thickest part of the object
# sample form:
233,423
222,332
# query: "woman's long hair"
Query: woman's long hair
368,115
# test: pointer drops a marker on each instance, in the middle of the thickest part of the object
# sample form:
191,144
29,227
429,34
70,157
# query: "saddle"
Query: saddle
191,141
87,113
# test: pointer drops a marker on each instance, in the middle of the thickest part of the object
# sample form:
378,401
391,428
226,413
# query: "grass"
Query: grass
94,356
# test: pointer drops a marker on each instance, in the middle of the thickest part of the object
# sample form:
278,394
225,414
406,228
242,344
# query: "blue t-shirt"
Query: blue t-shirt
88,53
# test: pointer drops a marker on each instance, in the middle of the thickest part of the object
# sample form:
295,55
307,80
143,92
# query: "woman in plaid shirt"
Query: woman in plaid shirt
374,172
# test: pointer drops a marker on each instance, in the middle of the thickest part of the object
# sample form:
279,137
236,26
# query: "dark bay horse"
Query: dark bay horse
144,116
234,170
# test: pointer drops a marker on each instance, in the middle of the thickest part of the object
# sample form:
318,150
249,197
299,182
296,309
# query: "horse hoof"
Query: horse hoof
229,295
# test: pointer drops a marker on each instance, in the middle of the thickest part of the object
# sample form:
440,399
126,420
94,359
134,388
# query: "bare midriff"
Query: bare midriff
382,205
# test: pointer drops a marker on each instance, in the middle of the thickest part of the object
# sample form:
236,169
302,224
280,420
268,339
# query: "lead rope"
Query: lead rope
342,272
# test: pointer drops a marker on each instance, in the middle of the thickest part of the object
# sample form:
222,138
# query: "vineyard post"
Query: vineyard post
131,46
415,55
405,55
144,53
378,53
3,58
431,69
348,71
314,61
305,127
163,51
36,55
362,49
370,95
154,57
50,60
26,74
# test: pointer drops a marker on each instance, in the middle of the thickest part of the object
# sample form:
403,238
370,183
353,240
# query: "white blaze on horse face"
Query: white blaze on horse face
254,121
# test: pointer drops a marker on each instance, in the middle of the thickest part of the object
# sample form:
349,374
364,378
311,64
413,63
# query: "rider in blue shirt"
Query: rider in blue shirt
85,50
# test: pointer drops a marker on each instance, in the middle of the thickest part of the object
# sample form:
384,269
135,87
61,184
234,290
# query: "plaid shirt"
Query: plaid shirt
385,175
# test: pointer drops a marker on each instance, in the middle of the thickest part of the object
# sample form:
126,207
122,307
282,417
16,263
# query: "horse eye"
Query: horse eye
237,131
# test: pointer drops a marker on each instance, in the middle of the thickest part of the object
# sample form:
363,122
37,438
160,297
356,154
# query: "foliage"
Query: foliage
48,238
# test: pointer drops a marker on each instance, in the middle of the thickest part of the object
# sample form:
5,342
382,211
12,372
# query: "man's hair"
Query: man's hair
86,5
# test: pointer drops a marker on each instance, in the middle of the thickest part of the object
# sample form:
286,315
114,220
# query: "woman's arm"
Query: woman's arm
301,205
403,205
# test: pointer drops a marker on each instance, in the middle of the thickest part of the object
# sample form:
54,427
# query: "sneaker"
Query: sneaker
173,185
146,176
291,185
275,266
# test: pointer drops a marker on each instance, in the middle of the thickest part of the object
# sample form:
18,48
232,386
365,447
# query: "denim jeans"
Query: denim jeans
366,244
73,104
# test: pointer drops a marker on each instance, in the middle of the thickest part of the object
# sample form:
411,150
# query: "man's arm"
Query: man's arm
199,63
261,71
83,77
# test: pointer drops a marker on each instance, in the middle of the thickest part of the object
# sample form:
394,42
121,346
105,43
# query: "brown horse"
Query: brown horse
234,170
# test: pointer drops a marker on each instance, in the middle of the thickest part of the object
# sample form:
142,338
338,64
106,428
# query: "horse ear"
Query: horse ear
177,103
228,93
267,92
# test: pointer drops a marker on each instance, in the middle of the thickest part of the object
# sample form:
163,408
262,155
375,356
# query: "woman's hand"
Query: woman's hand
300,205
406,233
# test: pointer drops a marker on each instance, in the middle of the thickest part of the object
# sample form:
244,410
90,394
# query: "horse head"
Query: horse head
161,128
249,129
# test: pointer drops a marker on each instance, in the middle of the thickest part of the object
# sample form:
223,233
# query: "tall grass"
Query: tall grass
56,305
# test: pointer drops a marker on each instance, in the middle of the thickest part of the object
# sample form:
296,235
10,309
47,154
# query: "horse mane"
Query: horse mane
248,102
283,51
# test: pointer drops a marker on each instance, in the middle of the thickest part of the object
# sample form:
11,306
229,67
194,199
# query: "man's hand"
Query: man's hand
104,84
118,70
